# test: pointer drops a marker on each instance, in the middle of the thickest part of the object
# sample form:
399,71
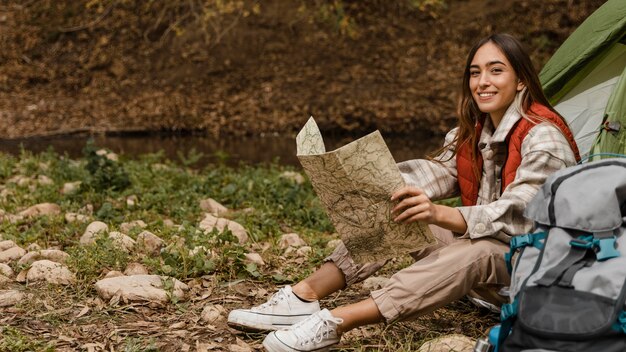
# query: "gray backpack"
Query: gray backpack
568,283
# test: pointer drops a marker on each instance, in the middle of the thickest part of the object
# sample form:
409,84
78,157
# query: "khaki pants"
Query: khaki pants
441,274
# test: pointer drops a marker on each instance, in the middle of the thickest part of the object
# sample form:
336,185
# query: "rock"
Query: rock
149,243
122,241
126,227
54,255
113,273
11,254
4,245
44,180
21,277
212,207
304,251
92,231
6,270
4,280
20,180
33,247
210,222
11,297
49,271
168,223
212,313
70,187
40,210
74,217
290,240
131,201
293,176
254,258
447,343
136,269
332,244
373,283
107,154
140,288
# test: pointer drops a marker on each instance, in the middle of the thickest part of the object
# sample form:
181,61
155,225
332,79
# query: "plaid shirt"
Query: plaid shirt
497,214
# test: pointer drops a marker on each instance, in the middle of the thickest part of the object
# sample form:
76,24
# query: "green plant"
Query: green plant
14,340
89,261
106,174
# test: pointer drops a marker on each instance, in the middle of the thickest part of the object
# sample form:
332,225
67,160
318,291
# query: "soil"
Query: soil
124,66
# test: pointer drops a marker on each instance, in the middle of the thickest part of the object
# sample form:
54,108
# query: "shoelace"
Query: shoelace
314,331
278,296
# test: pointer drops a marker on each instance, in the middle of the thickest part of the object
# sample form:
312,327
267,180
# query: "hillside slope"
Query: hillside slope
71,66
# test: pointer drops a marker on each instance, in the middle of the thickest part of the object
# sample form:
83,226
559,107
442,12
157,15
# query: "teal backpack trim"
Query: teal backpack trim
521,241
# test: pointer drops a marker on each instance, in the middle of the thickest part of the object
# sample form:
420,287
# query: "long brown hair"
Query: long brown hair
468,111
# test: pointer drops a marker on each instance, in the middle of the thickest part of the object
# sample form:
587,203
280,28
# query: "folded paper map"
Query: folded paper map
355,183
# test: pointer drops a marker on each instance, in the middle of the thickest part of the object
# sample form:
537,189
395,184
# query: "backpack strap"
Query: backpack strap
521,241
601,244
568,276
508,313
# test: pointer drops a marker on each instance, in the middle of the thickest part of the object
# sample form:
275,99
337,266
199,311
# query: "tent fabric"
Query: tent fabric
573,60
585,80
585,104
615,141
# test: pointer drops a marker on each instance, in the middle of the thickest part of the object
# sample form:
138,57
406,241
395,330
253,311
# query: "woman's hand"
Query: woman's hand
413,206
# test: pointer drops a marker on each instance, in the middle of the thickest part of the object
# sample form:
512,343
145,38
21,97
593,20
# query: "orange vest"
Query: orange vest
469,184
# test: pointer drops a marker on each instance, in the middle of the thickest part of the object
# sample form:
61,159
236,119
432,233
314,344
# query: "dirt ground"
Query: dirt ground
113,65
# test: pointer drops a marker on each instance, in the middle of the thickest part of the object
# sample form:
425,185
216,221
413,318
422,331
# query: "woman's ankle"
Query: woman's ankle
303,291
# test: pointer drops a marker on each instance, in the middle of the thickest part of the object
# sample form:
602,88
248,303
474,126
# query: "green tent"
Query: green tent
585,80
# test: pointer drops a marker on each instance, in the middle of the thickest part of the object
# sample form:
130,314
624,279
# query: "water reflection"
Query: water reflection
251,150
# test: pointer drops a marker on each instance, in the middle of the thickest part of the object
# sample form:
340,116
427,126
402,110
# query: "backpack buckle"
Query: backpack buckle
606,249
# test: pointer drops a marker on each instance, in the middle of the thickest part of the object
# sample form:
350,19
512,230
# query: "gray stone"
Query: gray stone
122,241
54,255
4,245
254,258
290,240
75,217
92,231
44,180
213,207
293,176
448,343
135,269
6,270
210,222
212,313
49,271
373,283
40,210
140,288
149,243
126,227
11,254
71,187
11,297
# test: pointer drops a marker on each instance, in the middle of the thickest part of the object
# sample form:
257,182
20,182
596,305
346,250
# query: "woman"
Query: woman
507,142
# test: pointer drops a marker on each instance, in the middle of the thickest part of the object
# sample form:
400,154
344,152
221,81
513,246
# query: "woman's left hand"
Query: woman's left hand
414,205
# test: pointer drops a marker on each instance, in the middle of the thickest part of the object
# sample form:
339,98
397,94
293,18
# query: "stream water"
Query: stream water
250,150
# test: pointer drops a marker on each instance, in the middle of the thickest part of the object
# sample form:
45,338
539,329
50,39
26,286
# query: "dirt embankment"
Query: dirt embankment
70,66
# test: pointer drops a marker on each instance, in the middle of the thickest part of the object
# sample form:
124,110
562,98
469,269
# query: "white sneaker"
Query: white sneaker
316,333
281,311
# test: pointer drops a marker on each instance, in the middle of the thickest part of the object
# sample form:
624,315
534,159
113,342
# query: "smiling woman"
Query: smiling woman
508,141
493,82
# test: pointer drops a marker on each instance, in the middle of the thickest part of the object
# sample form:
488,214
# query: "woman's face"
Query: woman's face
493,82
